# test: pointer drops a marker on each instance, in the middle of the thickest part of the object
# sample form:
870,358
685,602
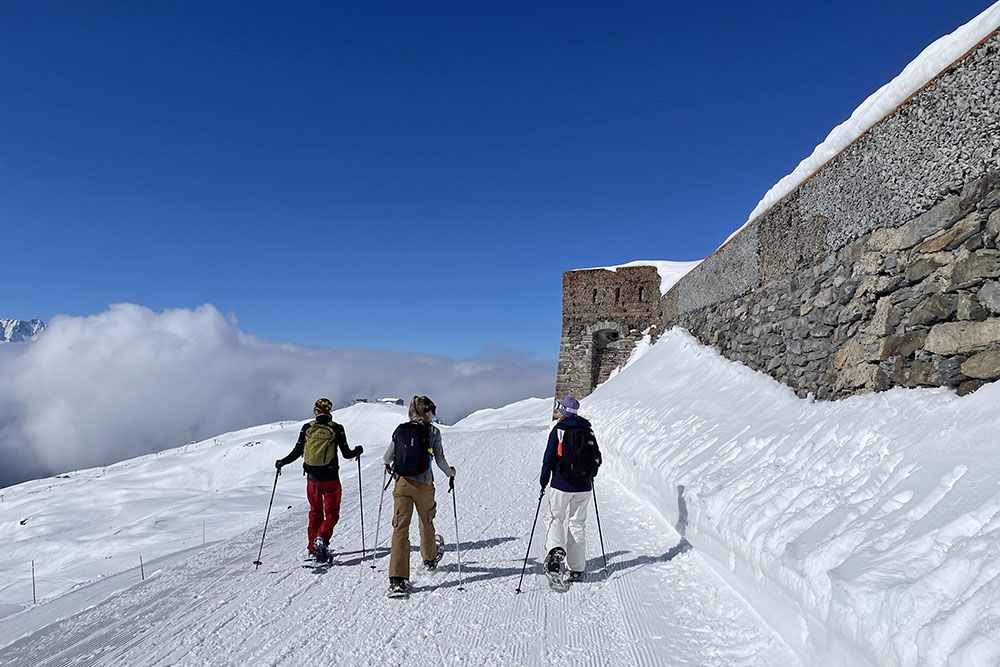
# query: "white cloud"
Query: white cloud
94,390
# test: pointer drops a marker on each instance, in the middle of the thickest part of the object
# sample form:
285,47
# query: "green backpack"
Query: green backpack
320,448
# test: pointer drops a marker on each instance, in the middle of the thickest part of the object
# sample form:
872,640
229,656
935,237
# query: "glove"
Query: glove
451,483
358,450
388,469
453,472
278,464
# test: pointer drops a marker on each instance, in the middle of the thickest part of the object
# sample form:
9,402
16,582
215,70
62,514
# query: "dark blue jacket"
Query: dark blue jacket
550,461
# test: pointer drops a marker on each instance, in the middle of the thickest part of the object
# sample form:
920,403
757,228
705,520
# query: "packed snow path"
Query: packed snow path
657,605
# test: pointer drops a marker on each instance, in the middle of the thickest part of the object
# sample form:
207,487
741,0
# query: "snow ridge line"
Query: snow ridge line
880,105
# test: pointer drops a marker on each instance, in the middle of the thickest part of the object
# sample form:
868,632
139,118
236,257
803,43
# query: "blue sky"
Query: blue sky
412,176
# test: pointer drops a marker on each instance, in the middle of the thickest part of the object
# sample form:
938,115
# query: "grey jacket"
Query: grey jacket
427,477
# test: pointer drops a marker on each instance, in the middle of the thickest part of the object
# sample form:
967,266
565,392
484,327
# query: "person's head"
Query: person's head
568,406
422,407
322,406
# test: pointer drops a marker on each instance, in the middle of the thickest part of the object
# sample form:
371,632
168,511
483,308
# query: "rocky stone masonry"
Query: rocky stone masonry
604,315
882,269
916,305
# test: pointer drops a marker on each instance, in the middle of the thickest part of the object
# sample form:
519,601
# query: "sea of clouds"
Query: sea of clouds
95,390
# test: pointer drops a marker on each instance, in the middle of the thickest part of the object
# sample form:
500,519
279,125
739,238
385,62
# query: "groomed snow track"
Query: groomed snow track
658,604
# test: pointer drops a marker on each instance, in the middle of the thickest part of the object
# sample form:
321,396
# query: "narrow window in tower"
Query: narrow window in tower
595,295
642,294
618,294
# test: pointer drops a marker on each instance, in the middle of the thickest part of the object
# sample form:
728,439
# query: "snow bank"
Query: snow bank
526,413
925,67
670,272
866,531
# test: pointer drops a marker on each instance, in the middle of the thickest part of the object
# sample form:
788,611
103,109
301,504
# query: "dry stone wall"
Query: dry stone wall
882,269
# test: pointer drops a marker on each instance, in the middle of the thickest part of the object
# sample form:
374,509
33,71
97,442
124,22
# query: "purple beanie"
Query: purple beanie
569,406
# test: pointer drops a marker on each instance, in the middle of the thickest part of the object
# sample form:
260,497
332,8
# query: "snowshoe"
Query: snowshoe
398,588
433,563
555,568
321,552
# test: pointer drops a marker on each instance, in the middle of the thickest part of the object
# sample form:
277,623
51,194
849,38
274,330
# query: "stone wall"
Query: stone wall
880,270
604,316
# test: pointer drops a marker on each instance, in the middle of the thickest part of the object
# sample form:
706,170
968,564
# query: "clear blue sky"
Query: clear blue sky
406,175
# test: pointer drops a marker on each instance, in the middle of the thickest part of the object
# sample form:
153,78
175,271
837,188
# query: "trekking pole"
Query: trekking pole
257,562
530,538
361,500
458,543
378,522
600,534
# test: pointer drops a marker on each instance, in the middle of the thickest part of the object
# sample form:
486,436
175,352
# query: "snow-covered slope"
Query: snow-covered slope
96,523
529,412
658,604
20,331
866,530
860,532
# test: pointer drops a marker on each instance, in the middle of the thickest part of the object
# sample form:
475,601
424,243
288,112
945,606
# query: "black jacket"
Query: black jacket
331,471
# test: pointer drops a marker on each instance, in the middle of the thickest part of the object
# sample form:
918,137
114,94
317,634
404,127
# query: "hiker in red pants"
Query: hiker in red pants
318,443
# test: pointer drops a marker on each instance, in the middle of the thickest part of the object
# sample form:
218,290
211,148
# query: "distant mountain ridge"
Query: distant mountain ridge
20,331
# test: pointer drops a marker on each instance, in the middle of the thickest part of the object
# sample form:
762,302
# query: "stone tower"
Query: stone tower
603,316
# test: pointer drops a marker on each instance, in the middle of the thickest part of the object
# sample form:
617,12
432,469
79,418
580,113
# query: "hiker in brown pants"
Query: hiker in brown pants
414,444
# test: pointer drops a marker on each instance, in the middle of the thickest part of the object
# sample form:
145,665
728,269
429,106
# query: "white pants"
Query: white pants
568,526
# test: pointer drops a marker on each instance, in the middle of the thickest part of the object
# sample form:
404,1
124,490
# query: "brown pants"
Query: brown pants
405,495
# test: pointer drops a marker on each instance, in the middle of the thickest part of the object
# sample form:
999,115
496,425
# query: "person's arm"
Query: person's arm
390,453
296,452
340,437
439,452
547,458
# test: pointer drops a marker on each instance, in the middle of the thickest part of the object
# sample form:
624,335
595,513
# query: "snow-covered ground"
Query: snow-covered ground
96,523
743,526
658,603
865,531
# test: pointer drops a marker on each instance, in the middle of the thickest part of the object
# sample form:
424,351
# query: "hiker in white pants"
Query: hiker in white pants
571,460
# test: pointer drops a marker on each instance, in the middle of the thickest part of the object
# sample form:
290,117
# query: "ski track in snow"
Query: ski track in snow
658,603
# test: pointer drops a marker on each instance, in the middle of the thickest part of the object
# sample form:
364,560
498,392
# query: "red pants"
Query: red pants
324,509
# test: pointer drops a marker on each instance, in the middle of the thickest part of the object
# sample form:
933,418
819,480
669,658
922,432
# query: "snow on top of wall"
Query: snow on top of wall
924,68
670,272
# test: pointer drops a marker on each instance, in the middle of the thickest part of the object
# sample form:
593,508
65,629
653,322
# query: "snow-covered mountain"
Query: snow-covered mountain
20,331
742,525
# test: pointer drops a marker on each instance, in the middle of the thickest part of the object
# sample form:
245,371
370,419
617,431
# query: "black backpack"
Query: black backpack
412,449
580,457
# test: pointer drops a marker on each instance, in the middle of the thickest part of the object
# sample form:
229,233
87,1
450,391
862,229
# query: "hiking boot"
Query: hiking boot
574,576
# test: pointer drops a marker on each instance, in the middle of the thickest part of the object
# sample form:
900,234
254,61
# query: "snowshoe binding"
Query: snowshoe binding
555,569
432,564
398,588
574,576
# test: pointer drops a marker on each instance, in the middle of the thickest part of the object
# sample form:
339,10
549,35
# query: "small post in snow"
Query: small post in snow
142,571
203,533
34,596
